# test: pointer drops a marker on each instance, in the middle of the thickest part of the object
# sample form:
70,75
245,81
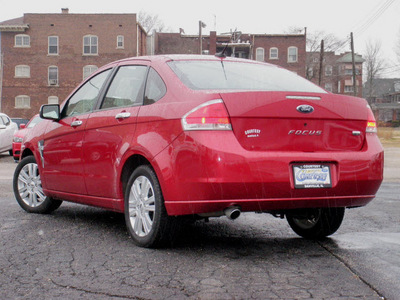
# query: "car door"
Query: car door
110,130
61,147
6,132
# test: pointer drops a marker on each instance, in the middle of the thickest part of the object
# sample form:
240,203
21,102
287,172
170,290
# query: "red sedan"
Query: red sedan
19,136
167,136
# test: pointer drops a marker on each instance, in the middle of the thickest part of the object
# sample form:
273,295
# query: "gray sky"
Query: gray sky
367,19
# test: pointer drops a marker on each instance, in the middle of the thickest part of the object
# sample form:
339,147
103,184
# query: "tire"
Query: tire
146,218
316,223
28,188
10,152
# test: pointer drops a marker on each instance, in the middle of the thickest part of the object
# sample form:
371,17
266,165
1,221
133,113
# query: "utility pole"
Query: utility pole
321,62
201,25
354,65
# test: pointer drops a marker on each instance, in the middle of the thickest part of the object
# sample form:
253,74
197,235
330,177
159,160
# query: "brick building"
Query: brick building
337,72
288,51
44,56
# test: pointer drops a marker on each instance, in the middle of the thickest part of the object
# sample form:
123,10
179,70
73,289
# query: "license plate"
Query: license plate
312,176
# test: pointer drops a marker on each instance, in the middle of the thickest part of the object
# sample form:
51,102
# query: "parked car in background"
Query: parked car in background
161,137
19,121
19,135
7,130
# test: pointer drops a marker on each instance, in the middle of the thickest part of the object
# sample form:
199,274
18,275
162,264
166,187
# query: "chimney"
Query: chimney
64,10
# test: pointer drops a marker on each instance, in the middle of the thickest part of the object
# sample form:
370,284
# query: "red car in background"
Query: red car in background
161,137
19,135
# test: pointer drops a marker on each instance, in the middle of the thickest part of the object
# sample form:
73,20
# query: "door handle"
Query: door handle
123,115
76,123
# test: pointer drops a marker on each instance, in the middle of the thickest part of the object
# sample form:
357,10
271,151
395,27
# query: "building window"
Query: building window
328,70
22,40
328,87
292,54
53,45
273,53
22,71
348,89
120,42
90,45
22,101
52,100
310,72
260,54
88,70
53,75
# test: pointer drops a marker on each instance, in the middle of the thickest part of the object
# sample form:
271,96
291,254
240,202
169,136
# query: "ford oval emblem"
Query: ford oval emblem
305,109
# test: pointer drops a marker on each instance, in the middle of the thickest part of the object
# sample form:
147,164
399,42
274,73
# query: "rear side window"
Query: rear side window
155,88
126,89
228,75
85,98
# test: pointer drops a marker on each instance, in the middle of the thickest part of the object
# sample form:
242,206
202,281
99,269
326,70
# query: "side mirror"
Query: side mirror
50,112
22,126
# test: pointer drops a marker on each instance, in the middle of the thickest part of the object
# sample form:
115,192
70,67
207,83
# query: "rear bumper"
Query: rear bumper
209,172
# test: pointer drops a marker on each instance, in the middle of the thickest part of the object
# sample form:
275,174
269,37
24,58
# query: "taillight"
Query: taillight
371,123
211,115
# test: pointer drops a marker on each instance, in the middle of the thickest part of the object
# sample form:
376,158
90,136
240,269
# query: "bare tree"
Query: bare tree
374,65
313,45
150,22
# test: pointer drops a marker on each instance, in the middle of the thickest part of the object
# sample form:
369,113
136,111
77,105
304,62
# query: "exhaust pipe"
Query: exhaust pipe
232,212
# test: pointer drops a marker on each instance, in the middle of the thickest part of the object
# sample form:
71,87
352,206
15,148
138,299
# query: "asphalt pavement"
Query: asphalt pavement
80,252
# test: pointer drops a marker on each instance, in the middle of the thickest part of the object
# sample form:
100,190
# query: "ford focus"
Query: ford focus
165,138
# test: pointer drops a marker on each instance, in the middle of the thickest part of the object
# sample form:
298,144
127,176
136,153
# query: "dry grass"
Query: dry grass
389,136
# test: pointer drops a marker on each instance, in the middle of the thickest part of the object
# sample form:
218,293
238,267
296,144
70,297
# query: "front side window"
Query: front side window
53,45
120,42
22,71
292,54
88,70
85,98
90,45
273,53
53,75
260,54
22,101
126,88
22,40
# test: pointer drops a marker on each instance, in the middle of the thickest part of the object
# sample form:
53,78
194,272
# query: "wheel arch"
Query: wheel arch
130,165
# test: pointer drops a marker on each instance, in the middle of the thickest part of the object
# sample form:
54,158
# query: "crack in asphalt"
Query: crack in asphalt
351,269
94,292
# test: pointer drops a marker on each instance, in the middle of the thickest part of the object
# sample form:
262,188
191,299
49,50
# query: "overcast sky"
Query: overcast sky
367,19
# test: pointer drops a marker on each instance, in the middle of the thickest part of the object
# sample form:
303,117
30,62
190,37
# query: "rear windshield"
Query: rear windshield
228,75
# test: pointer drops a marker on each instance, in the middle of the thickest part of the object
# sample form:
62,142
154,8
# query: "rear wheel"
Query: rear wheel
28,188
145,215
315,223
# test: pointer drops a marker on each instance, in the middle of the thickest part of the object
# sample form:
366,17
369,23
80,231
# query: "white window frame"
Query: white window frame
329,87
48,48
52,81
89,70
290,56
273,55
22,41
22,101
260,54
90,45
22,71
120,42
53,100
328,70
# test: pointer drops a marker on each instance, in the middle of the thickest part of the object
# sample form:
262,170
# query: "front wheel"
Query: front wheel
315,223
145,215
28,188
